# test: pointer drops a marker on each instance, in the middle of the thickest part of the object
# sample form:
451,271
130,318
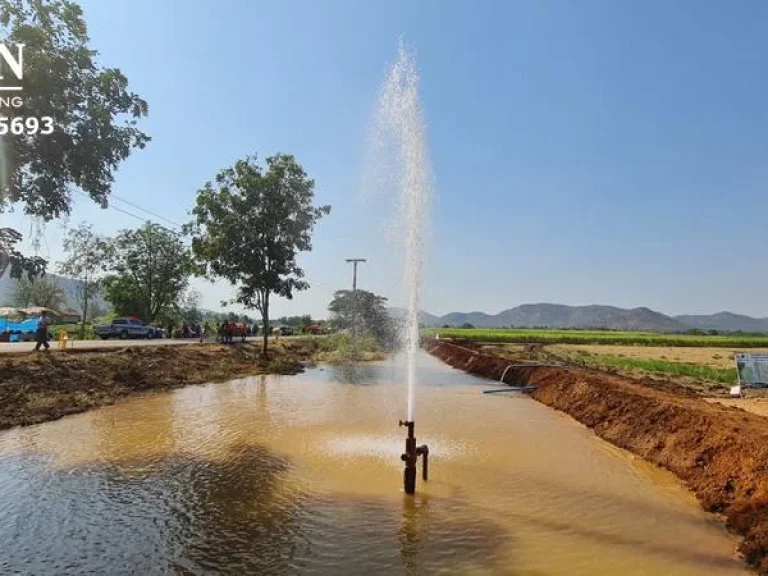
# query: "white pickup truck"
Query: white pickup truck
124,328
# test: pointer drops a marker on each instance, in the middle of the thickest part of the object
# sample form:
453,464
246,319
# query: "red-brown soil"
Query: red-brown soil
720,452
36,387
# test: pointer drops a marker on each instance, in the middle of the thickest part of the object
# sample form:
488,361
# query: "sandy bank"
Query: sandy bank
36,387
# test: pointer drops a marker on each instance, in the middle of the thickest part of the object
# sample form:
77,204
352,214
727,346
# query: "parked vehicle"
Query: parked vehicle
230,330
125,328
282,331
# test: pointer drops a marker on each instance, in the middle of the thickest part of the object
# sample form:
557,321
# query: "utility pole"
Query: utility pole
355,262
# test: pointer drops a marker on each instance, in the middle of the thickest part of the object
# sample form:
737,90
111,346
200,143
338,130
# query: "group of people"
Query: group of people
226,332
195,331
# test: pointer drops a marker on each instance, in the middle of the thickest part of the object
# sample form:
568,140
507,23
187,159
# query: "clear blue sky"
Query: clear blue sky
609,152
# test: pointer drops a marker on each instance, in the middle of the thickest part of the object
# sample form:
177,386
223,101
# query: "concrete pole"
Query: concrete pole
355,262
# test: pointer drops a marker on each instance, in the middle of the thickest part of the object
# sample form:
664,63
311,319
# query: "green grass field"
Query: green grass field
537,336
656,366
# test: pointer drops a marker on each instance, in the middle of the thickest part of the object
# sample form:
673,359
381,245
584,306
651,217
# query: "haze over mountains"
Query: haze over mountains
68,285
532,315
595,316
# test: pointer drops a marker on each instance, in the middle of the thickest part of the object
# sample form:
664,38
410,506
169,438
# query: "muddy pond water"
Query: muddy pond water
301,475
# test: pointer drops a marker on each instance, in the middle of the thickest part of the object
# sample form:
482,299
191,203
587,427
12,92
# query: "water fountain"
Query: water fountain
410,456
401,127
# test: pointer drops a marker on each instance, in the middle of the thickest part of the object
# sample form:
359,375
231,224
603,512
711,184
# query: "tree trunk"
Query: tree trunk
265,321
85,313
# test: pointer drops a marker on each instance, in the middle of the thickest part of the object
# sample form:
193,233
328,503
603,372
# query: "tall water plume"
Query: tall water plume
399,159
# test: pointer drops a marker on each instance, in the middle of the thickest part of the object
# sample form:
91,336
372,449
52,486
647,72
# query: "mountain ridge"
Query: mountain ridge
549,315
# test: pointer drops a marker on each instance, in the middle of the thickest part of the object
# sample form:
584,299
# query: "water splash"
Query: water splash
400,159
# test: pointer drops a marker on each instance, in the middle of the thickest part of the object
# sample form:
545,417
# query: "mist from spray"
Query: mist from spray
398,159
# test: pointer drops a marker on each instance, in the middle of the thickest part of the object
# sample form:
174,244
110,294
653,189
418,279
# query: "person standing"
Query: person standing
41,335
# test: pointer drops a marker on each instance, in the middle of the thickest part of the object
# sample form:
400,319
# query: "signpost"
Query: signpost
752,371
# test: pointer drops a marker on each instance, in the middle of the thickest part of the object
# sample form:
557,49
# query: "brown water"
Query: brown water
301,474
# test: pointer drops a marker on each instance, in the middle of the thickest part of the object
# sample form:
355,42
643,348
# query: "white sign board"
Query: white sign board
752,370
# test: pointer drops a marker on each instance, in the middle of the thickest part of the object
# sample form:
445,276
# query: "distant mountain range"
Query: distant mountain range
68,285
594,316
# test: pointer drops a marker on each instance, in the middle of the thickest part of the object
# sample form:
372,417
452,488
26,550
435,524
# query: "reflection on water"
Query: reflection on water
301,475
361,374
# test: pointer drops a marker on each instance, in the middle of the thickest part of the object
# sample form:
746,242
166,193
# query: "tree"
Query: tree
150,269
298,322
12,258
42,291
190,307
250,225
365,310
96,309
94,120
86,252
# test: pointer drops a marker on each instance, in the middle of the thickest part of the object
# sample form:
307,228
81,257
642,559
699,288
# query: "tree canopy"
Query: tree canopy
149,272
94,120
249,226
86,252
189,307
363,310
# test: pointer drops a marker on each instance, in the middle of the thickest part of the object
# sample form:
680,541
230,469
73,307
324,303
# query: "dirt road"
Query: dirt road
16,347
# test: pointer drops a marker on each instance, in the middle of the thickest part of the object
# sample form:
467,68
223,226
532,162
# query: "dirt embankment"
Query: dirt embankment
721,453
36,387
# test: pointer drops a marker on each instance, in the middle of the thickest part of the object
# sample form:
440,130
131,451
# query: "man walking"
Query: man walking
41,336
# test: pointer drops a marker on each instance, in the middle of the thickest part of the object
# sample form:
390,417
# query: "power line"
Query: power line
318,282
156,215
174,223
131,214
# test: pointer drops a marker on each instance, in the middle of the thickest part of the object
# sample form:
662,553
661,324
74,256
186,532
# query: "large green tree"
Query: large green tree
149,270
189,309
251,223
39,291
94,120
362,311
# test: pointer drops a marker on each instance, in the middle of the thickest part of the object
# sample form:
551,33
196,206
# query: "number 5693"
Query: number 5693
30,125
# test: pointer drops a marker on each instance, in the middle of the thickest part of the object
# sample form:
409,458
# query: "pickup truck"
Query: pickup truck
124,328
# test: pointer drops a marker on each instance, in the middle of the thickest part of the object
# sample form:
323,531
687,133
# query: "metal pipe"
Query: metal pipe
423,451
410,456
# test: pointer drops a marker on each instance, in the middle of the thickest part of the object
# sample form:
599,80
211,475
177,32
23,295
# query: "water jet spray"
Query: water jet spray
410,456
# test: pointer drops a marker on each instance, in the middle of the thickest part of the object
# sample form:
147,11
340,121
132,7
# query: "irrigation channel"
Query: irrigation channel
302,474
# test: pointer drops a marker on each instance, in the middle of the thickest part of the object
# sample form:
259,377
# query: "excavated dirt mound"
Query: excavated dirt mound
720,452
35,387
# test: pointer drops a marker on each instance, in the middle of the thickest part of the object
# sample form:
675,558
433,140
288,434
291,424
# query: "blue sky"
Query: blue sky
608,152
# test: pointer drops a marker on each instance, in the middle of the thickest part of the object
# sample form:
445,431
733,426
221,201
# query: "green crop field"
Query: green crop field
656,366
532,336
